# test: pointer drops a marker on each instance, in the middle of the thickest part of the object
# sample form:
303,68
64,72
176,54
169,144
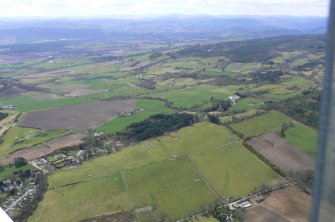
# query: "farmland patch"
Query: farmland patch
288,204
280,153
82,116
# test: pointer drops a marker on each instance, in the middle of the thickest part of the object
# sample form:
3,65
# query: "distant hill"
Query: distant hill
166,28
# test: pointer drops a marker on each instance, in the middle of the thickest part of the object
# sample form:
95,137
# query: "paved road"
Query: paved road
19,199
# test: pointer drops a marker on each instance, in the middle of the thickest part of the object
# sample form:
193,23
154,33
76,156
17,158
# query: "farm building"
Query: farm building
233,99
9,106
244,204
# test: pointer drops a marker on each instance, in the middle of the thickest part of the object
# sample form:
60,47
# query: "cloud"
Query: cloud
92,8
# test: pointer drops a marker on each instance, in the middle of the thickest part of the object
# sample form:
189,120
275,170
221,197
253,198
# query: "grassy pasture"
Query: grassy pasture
53,104
217,72
303,137
19,101
74,202
9,170
150,107
27,104
244,67
300,62
191,139
247,103
206,219
173,187
178,82
196,95
97,68
270,121
250,112
283,90
21,137
62,63
138,155
160,173
298,81
233,170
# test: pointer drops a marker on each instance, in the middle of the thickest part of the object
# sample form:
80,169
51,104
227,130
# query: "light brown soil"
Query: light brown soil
284,205
280,153
82,116
117,217
65,141
48,147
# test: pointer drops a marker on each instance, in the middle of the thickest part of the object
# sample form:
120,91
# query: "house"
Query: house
98,133
244,204
233,99
9,106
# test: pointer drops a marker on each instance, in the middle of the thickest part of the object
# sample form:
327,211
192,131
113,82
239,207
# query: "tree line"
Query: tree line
157,125
304,108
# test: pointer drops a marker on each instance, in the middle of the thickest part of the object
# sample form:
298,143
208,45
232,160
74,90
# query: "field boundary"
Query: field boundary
204,178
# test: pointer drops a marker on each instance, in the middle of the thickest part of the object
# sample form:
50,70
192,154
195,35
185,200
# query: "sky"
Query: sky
149,8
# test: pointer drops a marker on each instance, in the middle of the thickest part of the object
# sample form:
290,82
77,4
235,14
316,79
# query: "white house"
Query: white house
233,99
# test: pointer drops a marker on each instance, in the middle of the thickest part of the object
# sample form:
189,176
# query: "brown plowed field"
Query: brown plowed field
284,205
47,148
280,153
82,116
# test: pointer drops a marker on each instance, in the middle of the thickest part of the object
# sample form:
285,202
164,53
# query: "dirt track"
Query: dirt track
47,148
82,116
280,153
285,205
117,217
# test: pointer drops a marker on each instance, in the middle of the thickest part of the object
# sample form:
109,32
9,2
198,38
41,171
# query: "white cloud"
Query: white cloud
92,8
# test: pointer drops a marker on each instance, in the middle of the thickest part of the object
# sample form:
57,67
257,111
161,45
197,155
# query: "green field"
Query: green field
173,187
135,156
177,174
300,62
247,103
9,170
21,137
197,138
58,64
270,121
28,104
303,137
285,89
151,107
74,202
195,95
233,170
206,219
